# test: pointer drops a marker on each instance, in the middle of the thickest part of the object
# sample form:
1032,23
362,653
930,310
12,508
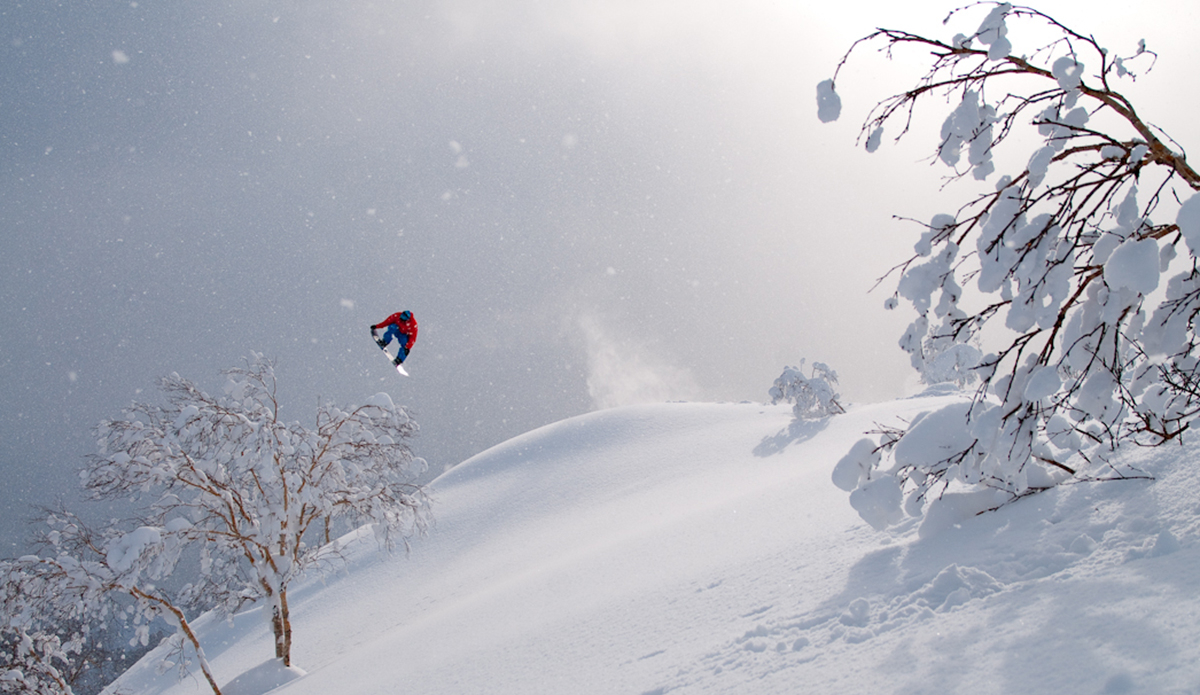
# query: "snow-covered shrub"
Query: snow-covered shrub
813,396
1064,268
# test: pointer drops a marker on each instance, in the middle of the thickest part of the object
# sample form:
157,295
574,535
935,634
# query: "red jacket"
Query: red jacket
408,328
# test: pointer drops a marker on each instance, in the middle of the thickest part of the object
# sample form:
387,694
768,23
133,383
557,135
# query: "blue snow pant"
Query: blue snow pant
393,331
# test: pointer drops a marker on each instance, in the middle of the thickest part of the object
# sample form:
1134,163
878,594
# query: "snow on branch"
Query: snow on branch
1072,269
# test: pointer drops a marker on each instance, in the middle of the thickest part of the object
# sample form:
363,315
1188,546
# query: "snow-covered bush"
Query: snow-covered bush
252,495
813,396
1066,268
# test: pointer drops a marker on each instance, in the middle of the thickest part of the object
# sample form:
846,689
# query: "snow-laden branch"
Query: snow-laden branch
1060,271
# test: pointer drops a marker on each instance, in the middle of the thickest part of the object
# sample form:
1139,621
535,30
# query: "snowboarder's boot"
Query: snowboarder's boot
380,343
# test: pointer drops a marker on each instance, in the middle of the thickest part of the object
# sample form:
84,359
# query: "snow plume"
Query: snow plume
622,371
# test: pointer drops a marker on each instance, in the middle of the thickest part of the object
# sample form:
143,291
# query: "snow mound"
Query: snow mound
262,679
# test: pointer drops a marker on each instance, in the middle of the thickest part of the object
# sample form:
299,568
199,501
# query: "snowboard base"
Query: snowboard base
399,367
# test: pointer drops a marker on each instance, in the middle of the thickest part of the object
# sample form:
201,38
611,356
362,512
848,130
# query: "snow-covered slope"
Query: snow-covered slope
701,548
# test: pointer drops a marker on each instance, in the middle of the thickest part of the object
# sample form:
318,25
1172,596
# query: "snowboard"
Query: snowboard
391,358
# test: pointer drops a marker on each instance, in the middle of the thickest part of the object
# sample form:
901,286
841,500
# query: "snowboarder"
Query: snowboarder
401,326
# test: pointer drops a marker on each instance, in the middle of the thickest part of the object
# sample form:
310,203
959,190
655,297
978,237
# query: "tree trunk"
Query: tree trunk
181,624
277,628
282,625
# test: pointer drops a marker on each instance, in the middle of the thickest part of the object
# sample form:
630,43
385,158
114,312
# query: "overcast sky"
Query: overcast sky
584,203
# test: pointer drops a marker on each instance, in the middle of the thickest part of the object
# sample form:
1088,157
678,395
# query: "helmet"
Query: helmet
406,316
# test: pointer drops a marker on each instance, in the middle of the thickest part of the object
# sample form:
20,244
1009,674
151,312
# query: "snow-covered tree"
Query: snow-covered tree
44,594
1076,270
250,495
54,625
251,492
32,661
89,577
813,396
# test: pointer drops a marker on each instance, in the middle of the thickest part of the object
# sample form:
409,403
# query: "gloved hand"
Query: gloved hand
373,329
402,353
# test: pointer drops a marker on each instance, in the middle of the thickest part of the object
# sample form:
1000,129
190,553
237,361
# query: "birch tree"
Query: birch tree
254,493
224,479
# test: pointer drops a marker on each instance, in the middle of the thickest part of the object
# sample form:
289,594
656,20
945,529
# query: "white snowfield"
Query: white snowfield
702,548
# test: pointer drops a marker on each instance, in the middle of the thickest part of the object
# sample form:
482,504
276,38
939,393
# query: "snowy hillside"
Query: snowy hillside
701,548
